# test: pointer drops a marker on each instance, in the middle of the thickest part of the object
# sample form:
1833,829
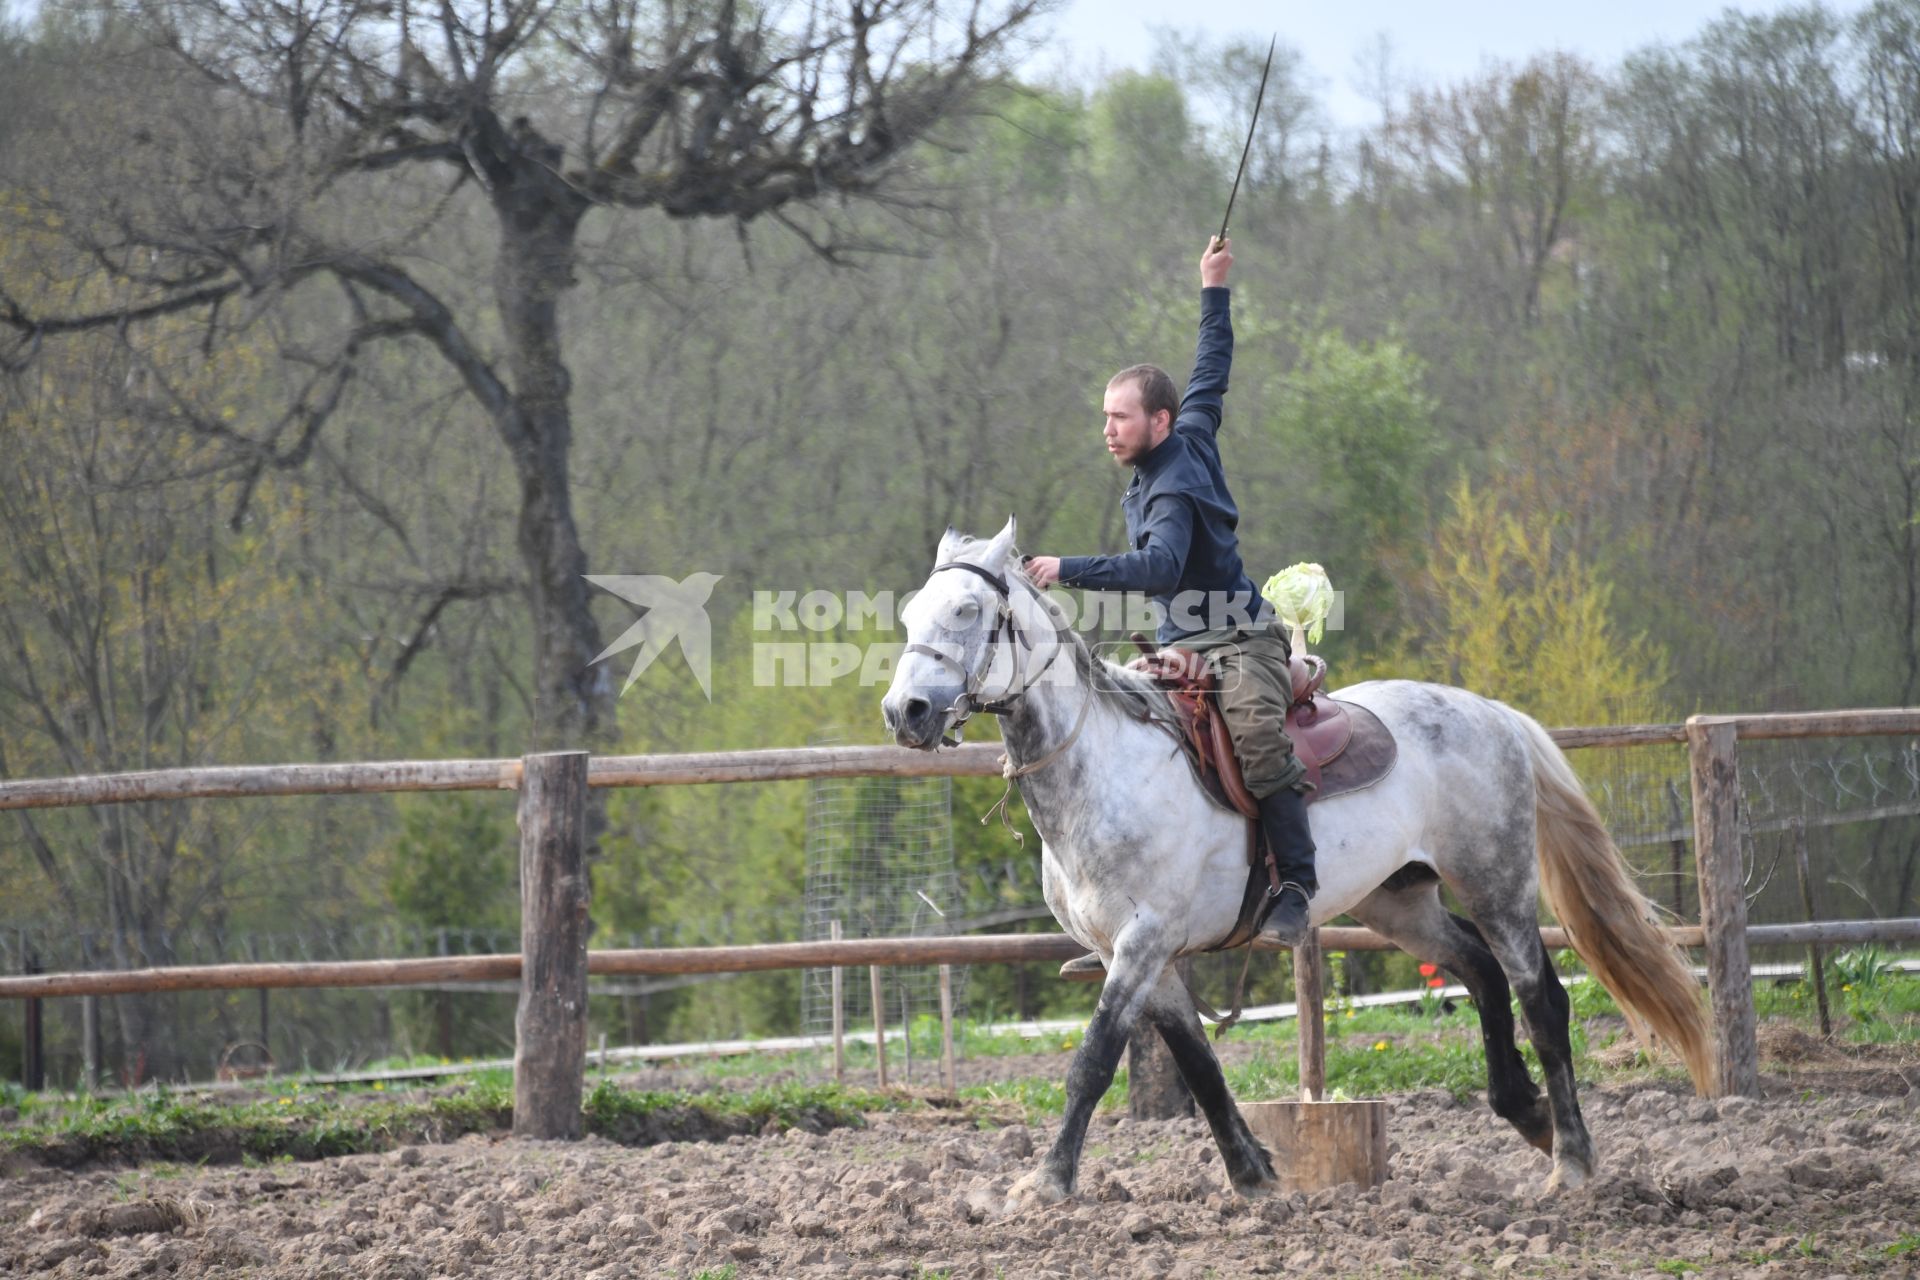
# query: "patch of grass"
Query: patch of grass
1380,1053
162,1125
610,1110
727,1272
1903,1246
1041,1096
1872,1001
1676,1267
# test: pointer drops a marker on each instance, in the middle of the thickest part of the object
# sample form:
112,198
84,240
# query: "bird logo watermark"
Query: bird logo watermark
675,611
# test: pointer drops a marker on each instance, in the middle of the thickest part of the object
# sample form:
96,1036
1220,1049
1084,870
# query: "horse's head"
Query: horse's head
952,624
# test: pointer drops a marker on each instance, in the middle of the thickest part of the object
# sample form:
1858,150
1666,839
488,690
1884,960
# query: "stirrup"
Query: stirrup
1088,968
1271,928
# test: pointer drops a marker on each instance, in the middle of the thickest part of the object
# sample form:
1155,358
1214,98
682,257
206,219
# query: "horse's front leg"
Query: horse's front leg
1134,969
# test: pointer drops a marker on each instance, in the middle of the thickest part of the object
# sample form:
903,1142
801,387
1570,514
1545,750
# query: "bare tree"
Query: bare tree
1513,151
301,163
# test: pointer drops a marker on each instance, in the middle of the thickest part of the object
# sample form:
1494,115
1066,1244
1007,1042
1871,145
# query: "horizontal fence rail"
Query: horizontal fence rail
973,760
1023,948
1718,823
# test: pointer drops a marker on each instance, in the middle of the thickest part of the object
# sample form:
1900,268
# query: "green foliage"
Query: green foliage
1591,1000
1358,414
1361,409
1863,967
1142,138
1518,618
456,861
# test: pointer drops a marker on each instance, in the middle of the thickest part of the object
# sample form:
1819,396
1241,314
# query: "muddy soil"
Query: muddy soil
1819,1185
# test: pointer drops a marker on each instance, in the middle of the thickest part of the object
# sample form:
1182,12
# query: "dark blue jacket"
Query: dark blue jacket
1180,517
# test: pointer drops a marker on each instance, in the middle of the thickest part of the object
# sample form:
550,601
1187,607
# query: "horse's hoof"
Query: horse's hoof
1036,1190
1568,1175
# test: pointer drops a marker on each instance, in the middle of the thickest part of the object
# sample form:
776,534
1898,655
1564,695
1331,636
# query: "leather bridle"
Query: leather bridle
968,700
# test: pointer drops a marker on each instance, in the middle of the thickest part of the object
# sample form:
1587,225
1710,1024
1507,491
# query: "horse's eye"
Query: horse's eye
965,612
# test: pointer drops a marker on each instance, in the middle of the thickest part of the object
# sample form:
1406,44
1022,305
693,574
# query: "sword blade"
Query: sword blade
1251,126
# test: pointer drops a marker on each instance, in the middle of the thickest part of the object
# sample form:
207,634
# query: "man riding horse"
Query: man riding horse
1180,524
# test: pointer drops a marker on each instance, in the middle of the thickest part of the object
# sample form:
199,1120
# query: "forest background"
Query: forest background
1597,389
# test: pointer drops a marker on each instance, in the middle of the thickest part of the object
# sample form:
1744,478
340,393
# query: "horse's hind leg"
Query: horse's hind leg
1512,933
1407,911
1170,1009
1132,973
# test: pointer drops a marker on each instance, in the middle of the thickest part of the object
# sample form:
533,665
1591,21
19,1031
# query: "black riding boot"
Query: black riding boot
1283,817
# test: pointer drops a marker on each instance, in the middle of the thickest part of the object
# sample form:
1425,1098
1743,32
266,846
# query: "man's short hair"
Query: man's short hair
1156,388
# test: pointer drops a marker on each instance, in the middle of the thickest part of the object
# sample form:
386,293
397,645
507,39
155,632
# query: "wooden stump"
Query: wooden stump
1317,1145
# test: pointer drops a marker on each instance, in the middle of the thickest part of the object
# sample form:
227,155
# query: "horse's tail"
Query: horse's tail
1610,922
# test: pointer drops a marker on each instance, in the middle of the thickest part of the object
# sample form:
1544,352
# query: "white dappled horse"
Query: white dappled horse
1140,865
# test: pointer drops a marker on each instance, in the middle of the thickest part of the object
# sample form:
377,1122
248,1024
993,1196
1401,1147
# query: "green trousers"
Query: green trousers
1255,686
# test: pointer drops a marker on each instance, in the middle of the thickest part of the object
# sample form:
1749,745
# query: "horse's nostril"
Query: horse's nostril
917,707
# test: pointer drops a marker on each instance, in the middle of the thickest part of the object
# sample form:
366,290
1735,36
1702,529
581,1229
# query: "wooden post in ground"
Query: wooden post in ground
839,1015
1679,853
1155,1090
1715,768
1317,1145
89,1043
946,1031
1814,965
879,1022
33,1073
1310,1000
550,1027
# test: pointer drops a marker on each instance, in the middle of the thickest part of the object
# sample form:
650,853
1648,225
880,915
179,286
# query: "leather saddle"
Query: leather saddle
1343,745
1321,728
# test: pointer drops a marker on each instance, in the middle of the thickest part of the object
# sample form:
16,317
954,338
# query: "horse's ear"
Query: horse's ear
1002,543
950,543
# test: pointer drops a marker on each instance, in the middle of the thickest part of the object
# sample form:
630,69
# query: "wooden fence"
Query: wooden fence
554,963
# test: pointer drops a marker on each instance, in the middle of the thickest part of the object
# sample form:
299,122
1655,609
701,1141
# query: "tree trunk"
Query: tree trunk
573,697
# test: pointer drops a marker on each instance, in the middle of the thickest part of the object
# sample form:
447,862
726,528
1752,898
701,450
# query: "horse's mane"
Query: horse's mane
1131,692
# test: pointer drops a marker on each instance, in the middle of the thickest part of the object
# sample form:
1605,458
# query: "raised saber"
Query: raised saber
1248,148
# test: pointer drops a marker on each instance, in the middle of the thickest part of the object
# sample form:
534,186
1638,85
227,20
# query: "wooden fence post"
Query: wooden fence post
877,988
90,1043
550,1026
948,1074
1715,768
839,1014
1309,994
1816,966
33,1056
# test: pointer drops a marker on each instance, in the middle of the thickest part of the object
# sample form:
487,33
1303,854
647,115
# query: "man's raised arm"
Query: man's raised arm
1207,388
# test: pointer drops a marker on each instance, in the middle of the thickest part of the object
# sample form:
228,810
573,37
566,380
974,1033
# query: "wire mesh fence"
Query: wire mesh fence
880,864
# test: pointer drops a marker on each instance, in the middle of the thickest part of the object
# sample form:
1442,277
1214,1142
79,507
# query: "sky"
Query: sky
1432,41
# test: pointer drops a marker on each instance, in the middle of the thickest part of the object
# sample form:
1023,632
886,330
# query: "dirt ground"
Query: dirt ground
1820,1178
